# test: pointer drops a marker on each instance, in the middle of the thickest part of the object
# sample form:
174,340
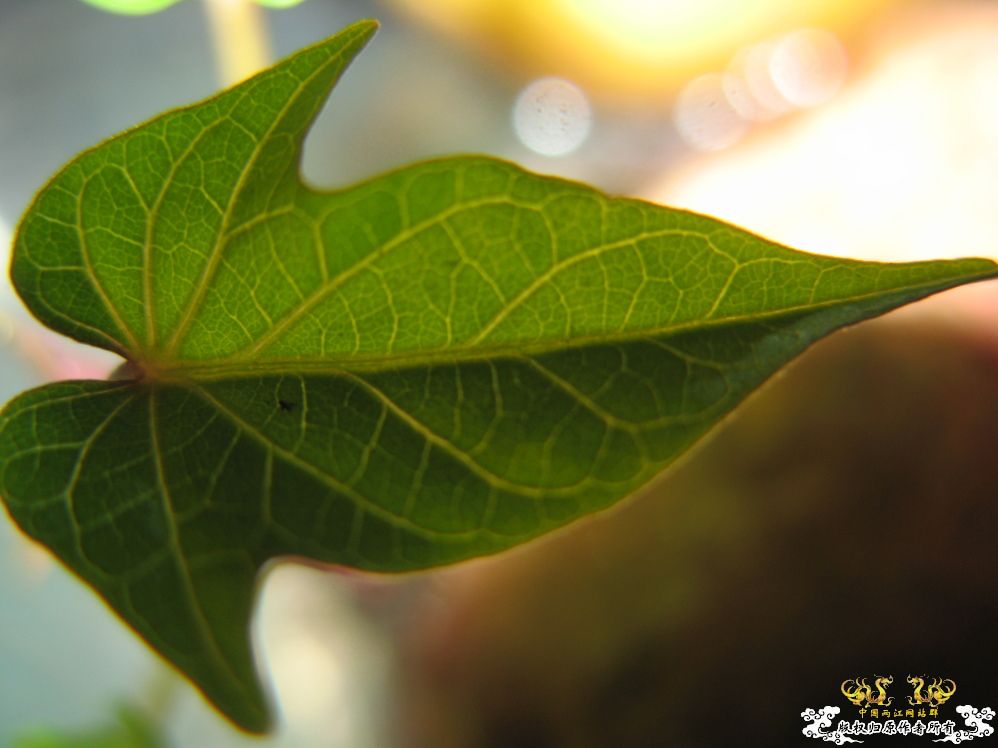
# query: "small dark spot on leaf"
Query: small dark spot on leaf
286,405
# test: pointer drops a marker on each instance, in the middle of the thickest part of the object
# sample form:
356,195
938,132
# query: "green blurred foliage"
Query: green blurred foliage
130,728
132,7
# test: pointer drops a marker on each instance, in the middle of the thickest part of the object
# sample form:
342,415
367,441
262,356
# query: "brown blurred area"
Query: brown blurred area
840,525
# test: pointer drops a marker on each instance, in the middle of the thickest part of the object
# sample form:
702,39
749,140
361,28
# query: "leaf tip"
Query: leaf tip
364,29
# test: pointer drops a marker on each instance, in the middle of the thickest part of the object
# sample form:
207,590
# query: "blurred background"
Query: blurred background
840,524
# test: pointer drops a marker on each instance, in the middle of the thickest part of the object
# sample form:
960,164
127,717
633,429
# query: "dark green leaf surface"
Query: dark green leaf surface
439,363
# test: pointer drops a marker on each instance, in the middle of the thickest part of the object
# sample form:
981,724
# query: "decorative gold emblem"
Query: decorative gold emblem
934,694
860,693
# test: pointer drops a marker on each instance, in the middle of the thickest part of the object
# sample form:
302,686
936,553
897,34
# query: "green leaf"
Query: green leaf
442,362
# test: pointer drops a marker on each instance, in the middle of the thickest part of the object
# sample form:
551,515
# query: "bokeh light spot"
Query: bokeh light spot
280,3
704,115
808,67
552,117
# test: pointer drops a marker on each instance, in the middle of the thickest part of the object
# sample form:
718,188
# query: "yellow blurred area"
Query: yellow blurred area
901,165
621,48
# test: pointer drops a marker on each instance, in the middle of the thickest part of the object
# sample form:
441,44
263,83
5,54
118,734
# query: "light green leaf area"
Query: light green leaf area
440,363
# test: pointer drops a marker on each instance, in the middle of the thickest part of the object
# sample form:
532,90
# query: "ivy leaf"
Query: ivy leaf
439,363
